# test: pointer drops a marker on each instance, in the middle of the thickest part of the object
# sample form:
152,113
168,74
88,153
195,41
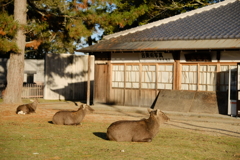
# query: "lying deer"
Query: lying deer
27,108
71,117
137,131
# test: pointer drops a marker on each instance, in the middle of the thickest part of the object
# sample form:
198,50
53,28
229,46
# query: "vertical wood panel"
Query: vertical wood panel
140,86
147,97
131,97
156,80
124,84
109,83
177,71
117,96
88,80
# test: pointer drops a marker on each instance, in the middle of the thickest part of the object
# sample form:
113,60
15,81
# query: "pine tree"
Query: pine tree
56,26
132,13
16,65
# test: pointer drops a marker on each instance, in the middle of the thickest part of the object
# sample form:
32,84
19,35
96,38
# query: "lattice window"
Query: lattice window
223,77
132,76
165,77
149,76
118,76
189,77
207,77
202,77
152,76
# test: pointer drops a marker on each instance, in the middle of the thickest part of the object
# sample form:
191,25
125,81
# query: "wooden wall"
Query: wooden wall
132,97
132,81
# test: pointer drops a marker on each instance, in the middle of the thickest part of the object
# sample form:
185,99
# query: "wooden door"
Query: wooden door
101,82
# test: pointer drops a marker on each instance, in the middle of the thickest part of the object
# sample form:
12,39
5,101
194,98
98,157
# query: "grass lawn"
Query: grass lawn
45,141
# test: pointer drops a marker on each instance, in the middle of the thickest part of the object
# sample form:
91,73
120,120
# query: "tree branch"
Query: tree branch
34,44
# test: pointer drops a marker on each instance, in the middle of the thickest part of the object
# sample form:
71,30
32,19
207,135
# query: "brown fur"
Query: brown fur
71,117
27,108
137,131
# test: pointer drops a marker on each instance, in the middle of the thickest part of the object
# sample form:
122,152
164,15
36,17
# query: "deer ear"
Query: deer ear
81,106
149,110
84,106
158,112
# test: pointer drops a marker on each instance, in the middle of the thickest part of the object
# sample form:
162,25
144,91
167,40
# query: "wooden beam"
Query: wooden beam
89,81
177,71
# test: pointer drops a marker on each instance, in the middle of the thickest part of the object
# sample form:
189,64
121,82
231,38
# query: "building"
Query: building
33,70
33,81
57,77
187,61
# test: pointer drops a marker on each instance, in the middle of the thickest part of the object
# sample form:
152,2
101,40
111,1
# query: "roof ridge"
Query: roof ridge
166,20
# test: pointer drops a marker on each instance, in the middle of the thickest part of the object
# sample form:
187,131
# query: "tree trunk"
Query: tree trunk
15,71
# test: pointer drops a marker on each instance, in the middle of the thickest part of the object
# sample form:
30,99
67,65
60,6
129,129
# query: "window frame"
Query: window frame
154,76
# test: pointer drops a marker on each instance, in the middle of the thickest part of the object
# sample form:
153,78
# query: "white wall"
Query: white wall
67,75
37,66
29,65
159,57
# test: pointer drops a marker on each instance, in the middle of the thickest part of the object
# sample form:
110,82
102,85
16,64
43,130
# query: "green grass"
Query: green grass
34,140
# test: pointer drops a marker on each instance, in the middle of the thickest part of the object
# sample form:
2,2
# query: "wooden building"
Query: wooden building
186,60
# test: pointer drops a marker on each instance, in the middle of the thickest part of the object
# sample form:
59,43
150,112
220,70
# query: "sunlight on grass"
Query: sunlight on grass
31,140
41,100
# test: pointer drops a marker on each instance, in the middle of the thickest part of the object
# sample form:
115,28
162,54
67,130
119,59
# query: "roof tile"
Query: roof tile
218,21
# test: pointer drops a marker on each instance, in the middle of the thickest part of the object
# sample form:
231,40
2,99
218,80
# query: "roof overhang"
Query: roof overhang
30,72
218,44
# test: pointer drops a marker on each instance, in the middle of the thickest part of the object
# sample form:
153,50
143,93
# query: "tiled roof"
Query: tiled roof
213,22
220,23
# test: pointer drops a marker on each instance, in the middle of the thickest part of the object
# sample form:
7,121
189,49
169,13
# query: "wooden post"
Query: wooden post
238,91
156,80
124,89
177,71
109,82
140,86
88,82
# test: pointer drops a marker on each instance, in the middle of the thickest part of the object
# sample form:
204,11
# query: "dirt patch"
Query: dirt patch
213,125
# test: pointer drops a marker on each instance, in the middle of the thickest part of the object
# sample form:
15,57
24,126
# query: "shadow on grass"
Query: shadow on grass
102,135
189,126
118,108
50,122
